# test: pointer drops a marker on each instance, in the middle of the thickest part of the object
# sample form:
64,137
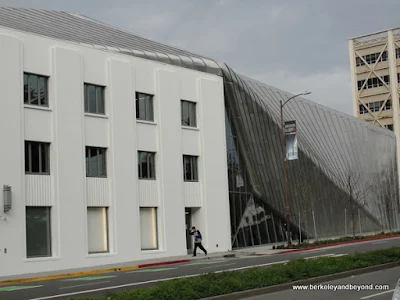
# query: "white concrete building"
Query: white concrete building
109,156
375,78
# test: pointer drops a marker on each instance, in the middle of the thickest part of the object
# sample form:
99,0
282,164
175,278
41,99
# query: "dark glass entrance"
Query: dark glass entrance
188,222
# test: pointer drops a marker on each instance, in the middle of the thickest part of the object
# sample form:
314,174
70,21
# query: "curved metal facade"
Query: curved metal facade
339,155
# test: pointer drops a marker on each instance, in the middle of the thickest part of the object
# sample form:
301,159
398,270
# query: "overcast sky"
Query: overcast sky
295,45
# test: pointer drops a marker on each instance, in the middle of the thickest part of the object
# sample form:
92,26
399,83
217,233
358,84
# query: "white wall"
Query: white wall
65,125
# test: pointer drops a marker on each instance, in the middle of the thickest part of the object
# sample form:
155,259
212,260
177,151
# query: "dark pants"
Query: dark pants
200,246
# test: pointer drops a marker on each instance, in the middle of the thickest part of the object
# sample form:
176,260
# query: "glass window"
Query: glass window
146,165
38,232
97,224
188,113
190,168
96,163
363,109
388,105
148,228
37,158
35,90
94,99
144,107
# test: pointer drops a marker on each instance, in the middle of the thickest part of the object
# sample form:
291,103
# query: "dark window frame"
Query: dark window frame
88,156
148,107
192,161
49,233
27,94
192,113
150,165
28,157
98,109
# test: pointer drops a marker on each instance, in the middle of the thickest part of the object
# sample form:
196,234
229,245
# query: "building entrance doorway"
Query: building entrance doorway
188,222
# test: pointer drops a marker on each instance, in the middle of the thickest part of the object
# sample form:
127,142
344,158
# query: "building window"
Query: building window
372,58
373,82
376,106
190,168
97,224
38,231
398,53
35,90
148,228
363,109
144,107
96,165
389,126
188,113
388,105
146,165
37,158
94,99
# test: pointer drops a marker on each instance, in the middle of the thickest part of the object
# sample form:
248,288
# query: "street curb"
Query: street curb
108,270
336,244
162,263
68,275
313,280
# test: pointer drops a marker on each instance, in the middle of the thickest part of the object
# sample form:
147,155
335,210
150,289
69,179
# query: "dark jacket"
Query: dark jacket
197,236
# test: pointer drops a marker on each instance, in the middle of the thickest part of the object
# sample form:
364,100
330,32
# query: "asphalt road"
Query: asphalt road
381,278
97,285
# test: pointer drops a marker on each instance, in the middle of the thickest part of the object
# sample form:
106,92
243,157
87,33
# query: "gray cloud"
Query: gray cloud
294,44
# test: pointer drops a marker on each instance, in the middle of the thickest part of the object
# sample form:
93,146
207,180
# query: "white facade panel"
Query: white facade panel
97,131
147,134
214,163
37,125
97,192
144,78
170,159
67,193
12,170
38,190
148,193
191,141
192,194
68,160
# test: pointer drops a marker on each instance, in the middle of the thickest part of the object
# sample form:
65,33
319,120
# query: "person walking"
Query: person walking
197,240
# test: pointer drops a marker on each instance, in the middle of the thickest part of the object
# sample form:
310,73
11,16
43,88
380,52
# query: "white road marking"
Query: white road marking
150,281
375,295
338,255
149,270
255,266
323,255
74,286
380,242
113,287
218,266
316,250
